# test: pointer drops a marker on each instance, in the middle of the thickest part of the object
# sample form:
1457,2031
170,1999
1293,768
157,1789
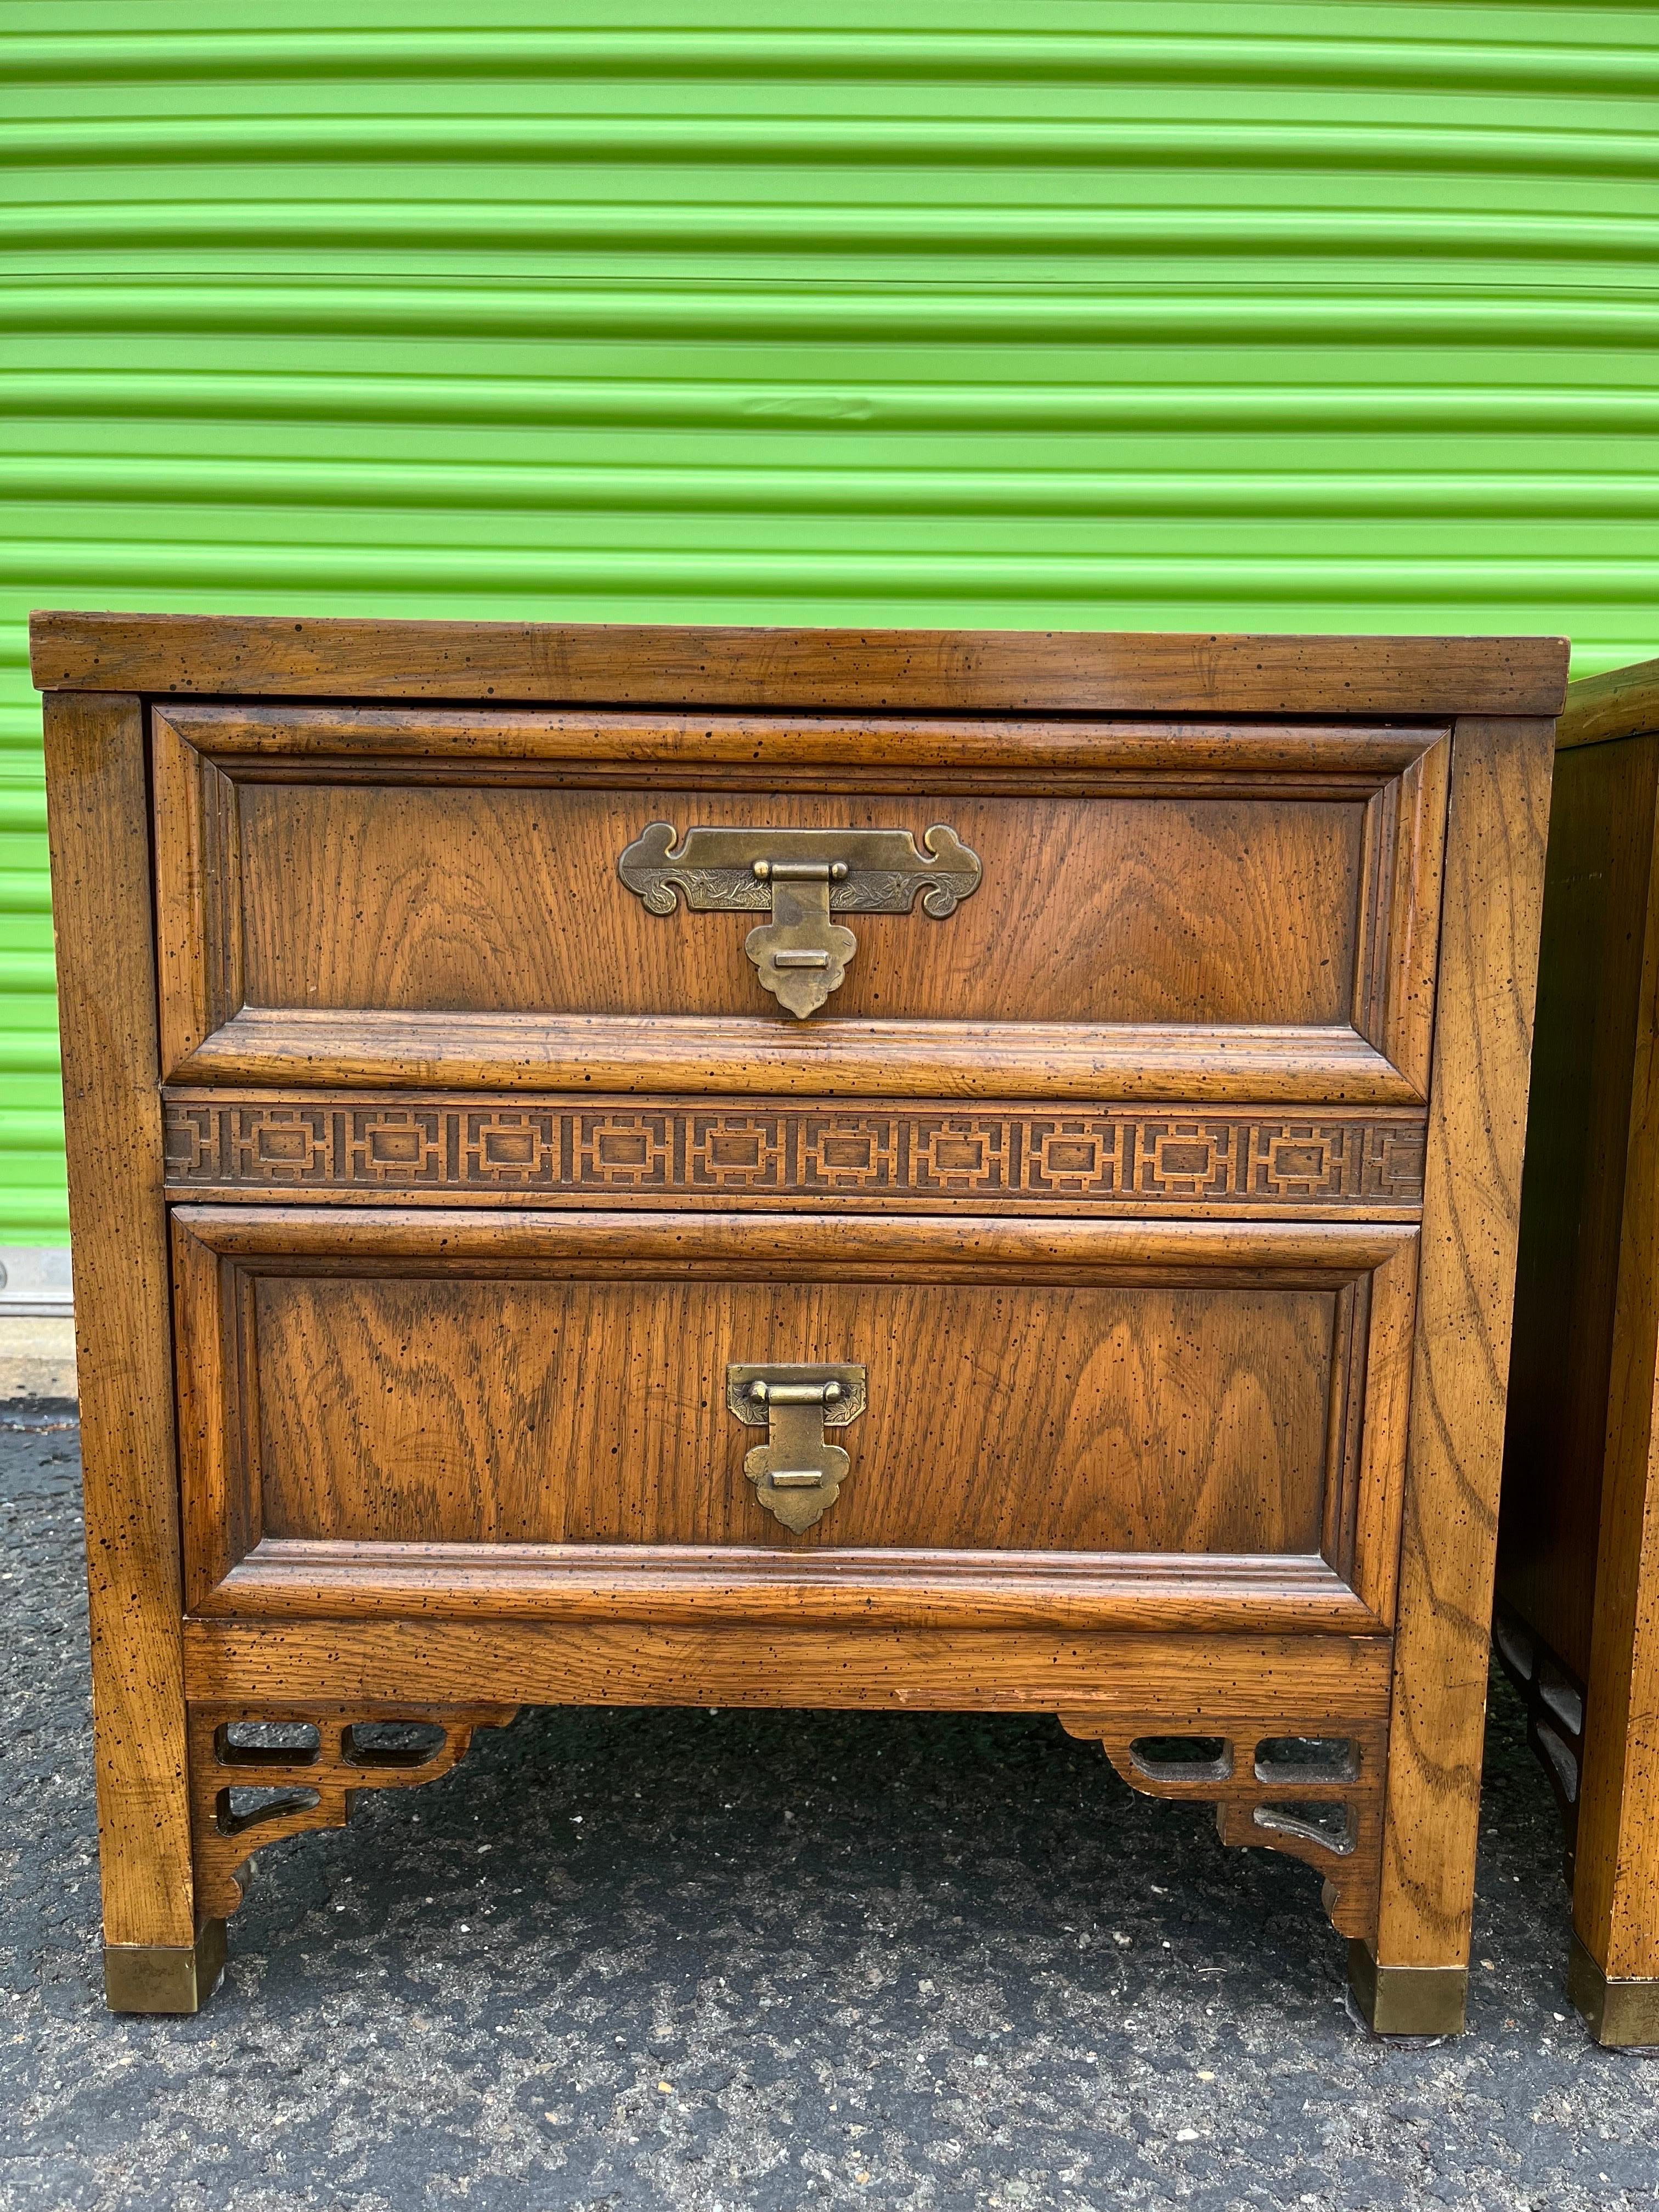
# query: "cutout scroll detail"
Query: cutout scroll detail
259,1776
1313,1790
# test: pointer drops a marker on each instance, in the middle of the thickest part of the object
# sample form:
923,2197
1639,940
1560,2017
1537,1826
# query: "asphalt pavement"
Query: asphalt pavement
756,1962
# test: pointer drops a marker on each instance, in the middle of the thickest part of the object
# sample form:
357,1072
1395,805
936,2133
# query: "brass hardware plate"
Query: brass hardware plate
797,1474
804,876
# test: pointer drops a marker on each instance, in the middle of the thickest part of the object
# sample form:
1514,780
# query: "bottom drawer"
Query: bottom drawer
547,1411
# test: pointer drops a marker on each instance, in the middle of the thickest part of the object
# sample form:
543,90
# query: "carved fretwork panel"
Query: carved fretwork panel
698,1152
261,1773
1312,1788
1554,1700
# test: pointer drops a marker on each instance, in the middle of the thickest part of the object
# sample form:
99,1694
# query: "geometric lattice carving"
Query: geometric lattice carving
257,1773
1554,1700
977,1156
1311,1788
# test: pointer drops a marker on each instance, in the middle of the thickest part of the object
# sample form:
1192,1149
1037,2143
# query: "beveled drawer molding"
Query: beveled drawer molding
328,914
879,1156
1116,1391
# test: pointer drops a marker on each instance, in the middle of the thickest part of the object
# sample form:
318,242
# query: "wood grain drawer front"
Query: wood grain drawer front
375,896
532,1409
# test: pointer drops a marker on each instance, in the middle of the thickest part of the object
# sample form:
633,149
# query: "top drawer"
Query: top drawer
377,894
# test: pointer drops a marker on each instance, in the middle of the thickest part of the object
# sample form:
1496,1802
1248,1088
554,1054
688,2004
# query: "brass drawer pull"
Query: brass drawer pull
804,876
797,1474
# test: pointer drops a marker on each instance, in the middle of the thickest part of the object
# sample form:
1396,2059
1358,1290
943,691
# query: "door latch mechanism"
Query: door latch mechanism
796,1473
805,877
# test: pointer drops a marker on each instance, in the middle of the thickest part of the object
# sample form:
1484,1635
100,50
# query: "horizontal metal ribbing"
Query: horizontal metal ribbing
650,142
549,488
1579,318
1161,316
1204,55
108,395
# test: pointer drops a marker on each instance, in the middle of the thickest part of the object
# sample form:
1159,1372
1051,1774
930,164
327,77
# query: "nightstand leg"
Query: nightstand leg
1413,1978
158,1959
1613,1974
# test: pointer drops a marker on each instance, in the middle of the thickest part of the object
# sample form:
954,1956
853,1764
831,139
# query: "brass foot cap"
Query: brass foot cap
1408,2000
1622,2015
165,1977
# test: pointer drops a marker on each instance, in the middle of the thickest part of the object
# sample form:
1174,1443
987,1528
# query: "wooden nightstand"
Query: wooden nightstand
1578,1552
795,1168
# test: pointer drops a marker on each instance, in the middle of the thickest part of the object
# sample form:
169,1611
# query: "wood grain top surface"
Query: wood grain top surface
986,672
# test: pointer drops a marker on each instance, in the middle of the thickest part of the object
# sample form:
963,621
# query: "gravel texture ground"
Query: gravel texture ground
746,1962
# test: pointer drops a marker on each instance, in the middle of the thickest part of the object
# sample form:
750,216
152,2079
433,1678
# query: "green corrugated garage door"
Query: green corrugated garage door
1065,313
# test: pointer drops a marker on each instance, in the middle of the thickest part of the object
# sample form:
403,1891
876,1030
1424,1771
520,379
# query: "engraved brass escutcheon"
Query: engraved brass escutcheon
804,876
797,1474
